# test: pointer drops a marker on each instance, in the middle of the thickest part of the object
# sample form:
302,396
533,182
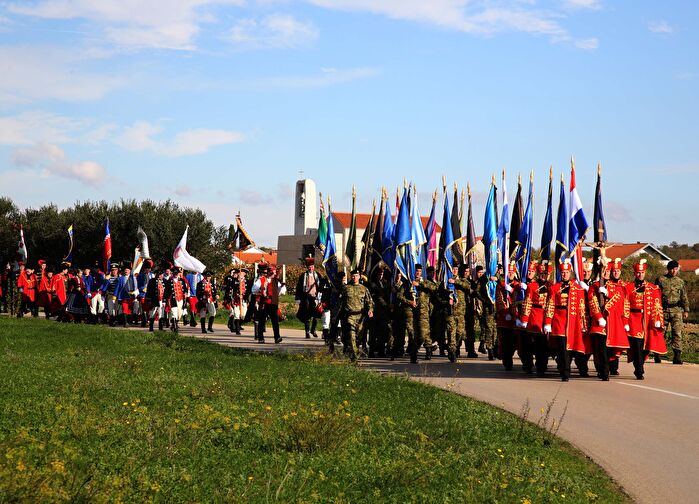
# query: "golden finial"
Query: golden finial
455,187
519,178
572,162
531,176
434,196
414,189
354,192
468,187
405,183
493,179
328,202
321,196
599,168
551,172
444,183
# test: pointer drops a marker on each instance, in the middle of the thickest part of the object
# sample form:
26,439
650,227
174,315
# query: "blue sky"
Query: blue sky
219,104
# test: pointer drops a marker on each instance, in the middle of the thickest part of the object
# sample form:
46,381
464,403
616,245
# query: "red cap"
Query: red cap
566,265
640,266
616,264
544,267
512,267
532,267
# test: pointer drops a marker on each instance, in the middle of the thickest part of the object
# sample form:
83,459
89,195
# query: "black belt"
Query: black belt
354,312
673,305
636,310
561,307
537,306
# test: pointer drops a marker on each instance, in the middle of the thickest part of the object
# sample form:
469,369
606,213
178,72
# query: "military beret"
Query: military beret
355,271
673,264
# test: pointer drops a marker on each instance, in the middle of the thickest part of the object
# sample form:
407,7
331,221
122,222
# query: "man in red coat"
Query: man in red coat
59,284
646,320
505,305
564,319
525,339
532,316
43,299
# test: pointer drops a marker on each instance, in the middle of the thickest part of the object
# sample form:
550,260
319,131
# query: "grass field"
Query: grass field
89,413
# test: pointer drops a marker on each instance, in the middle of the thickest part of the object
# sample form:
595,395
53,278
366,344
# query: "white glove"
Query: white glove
602,323
547,329
604,291
508,288
135,293
627,328
584,285
520,324
523,286
657,324
508,317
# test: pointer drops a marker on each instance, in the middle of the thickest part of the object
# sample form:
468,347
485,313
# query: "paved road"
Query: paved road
645,434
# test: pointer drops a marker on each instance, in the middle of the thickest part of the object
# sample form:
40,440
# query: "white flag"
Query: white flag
141,253
21,246
183,259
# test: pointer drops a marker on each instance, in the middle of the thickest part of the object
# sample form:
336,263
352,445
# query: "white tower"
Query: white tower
305,208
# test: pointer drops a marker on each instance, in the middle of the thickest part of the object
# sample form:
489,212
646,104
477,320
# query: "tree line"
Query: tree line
46,232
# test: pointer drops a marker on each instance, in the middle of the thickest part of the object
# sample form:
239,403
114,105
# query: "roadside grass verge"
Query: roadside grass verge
89,413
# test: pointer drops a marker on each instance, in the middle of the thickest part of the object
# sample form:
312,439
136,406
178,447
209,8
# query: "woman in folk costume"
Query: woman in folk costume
76,302
646,321
564,320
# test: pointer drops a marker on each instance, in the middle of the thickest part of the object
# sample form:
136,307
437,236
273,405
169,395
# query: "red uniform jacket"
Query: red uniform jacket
28,285
533,306
58,287
565,313
505,305
646,309
44,297
615,312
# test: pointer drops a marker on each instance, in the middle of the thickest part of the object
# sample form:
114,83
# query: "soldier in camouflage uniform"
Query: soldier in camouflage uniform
445,299
487,316
379,332
465,322
405,307
356,308
675,307
421,316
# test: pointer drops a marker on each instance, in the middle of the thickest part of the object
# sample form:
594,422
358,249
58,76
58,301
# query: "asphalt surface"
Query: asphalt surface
645,434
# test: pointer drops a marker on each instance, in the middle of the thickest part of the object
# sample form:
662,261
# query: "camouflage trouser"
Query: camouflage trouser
402,330
675,323
470,328
488,329
452,323
379,333
459,329
421,328
355,330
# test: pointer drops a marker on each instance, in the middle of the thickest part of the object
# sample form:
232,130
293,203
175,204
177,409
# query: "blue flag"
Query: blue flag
330,254
503,230
446,255
561,230
403,239
524,240
490,242
387,237
419,240
547,232
600,228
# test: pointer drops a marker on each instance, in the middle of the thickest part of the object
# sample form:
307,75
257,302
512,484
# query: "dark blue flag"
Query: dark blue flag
547,232
561,230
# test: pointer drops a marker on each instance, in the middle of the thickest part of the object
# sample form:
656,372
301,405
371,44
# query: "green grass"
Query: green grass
89,413
288,307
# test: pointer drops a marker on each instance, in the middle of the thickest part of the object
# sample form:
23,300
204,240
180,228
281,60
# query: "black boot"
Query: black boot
124,322
203,325
161,323
656,359
231,324
193,322
150,324
490,354
143,320
238,327
452,355
413,356
313,328
307,328
428,353
677,356
211,324
481,347
326,336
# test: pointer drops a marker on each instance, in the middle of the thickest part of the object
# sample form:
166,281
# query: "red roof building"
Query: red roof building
689,265
626,250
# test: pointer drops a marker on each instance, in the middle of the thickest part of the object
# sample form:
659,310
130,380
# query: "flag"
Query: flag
141,253
600,228
547,232
417,233
330,254
351,245
577,226
21,247
430,248
470,236
365,256
244,240
517,215
524,239
457,250
561,230
403,239
69,256
182,258
322,228
376,244
106,248
503,229
387,250
490,241
446,252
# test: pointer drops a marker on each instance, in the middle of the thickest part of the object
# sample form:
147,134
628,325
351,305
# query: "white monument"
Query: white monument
292,248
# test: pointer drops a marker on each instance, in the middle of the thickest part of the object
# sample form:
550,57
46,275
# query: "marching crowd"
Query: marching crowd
567,321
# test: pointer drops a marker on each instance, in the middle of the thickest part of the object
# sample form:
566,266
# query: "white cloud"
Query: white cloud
583,4
171,24
326,77
139,138
31,73
32,127
52,161
183,190
661,27
591,43
274,31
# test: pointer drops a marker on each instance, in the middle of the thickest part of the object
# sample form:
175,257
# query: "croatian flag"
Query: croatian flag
577,226
106,248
